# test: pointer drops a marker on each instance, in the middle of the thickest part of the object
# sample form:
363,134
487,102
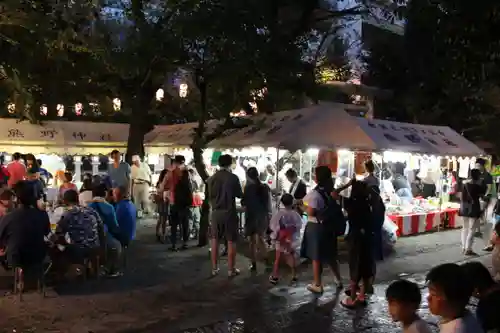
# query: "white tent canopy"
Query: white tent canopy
320,126
60,137
424,139
329,126
171,136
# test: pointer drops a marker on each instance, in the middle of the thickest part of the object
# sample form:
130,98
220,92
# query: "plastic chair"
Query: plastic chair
39,271
92,262
124,256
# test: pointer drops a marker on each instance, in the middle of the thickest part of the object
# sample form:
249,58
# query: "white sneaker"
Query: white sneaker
234,272
215,272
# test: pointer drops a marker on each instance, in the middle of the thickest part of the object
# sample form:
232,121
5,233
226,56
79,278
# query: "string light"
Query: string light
160,94
183,90
117,104
60,110
78,109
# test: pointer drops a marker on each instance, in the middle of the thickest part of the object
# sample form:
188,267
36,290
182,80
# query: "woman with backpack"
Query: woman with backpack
324,222
257,202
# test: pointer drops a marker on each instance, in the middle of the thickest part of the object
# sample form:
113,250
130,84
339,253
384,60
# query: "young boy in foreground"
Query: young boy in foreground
403,298
449,294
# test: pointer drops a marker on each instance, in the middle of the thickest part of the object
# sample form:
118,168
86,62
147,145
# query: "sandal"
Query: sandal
361,300
273,280
349,303
470,253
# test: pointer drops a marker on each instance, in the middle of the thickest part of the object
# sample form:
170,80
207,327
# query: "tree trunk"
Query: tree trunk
135,142
199,144
139,125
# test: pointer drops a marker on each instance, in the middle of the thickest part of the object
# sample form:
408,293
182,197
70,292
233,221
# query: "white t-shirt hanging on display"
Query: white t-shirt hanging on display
463,168
472,163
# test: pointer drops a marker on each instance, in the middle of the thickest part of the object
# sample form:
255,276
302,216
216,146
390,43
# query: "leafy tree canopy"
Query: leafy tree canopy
447,70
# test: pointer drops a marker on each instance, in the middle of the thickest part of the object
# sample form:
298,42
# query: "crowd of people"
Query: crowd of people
101,218
97,220
324,209
450,285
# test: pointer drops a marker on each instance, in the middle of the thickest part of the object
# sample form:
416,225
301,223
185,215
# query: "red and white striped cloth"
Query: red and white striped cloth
412,224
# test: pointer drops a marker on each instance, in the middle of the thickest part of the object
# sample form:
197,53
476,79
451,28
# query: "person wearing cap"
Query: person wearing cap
141,180
119,171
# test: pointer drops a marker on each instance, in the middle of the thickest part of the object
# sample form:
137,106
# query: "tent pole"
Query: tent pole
440,187
300,164
278,189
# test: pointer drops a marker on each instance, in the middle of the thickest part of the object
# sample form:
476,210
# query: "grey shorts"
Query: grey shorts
224,224
256,225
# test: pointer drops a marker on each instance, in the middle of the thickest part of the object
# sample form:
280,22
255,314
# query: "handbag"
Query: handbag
465,206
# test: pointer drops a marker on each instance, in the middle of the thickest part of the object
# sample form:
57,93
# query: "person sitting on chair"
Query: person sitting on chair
23,230
83,226
113,233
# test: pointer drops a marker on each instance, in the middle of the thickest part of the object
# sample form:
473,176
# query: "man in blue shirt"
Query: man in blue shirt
126,213
119,171
45,176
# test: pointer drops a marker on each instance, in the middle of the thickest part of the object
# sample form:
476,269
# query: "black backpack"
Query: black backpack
377,206
331,216
183,193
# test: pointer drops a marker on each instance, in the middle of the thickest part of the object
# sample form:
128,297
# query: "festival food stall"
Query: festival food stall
416,155
403,152
52,141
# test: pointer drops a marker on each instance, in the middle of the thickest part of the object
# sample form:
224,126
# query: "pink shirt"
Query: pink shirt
17,172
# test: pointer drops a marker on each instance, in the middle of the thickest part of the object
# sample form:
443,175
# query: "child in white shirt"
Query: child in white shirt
403,298
285,228
449,294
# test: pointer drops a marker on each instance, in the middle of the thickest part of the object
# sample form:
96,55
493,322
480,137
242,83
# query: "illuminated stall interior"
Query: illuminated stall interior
77,147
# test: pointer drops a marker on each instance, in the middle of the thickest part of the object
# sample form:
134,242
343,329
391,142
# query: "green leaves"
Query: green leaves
447,70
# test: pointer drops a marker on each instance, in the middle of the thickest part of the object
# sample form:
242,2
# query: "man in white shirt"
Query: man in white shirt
141,181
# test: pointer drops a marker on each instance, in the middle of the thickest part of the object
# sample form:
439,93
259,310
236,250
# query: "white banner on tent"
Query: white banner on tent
425,139
81,133
17,132
62,137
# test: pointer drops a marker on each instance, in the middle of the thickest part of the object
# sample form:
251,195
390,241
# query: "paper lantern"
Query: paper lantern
359,162
328,158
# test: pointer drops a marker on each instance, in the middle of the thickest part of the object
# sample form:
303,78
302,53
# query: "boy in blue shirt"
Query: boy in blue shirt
126,213
113,233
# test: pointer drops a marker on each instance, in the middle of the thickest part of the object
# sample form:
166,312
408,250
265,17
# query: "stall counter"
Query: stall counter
417,223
